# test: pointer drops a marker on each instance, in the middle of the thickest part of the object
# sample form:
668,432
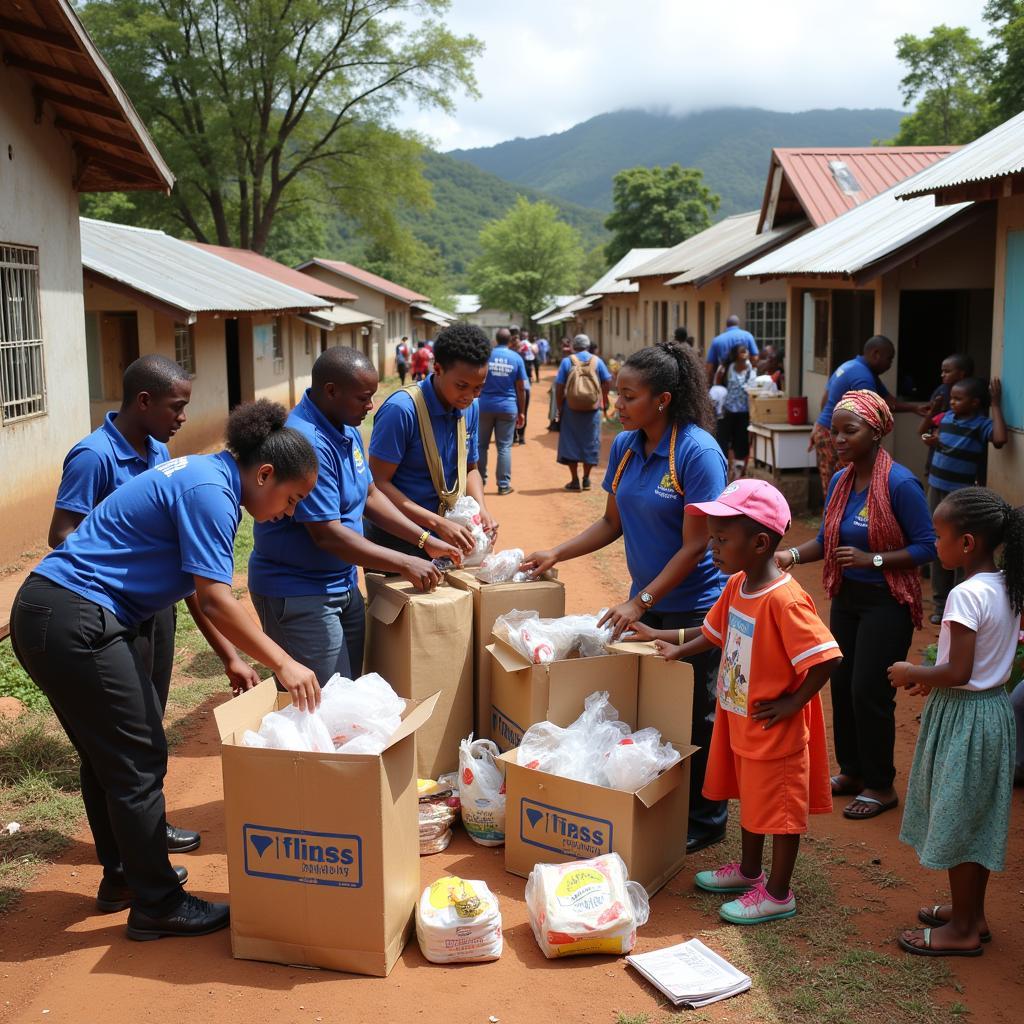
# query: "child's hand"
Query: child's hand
995,390
640,632
670,652
931,440
784,559
899,674
771,711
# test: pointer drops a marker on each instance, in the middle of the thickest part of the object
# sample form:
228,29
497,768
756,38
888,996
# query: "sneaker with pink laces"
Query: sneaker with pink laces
727,879
757,906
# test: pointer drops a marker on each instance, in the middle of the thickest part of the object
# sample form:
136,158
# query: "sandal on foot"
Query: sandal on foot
573,485
586,483
838,789
926,949
874,811
931,917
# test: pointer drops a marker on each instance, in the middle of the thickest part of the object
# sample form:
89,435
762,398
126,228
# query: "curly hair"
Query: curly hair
257,434
975,387
461,343
982,512
674,367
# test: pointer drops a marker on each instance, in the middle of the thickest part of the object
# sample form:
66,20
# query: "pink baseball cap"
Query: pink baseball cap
757,499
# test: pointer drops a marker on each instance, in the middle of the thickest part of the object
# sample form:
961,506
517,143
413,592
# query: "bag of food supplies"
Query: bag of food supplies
585,906
482,791
458,921
438,810
543,641
500,566
466,512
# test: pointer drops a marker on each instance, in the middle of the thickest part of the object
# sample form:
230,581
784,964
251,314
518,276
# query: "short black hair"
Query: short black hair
962,361
681,334
156,375
339,364
461,343
753,527
257,434
877,341
975,388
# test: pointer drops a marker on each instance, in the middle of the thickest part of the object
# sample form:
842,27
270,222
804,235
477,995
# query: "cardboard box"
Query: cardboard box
422,643
769,410
549,819
546,597
323,849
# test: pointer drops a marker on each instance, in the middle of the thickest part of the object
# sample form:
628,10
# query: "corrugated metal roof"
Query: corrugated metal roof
828,182
998,153
616,280
860,237
346,316
182,276
434,313
467,305
557,303
354,273
278,271
570,309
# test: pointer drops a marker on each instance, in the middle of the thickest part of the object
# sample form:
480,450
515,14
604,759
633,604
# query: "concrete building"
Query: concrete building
469,308
67,128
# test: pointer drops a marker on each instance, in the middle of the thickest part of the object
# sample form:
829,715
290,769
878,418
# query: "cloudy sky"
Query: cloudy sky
550,64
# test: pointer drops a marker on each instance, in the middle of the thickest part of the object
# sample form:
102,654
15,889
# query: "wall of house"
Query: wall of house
623,334
372,302
39,208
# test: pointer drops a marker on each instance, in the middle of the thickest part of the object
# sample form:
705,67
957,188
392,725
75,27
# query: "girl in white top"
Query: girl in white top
957,811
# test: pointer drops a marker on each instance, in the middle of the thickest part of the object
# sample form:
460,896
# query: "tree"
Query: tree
274,108
1006,22
947,73
526,257
657,206
413,264
592,268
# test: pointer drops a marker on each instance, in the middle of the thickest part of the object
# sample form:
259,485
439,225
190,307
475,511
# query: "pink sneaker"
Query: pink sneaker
758,906
727,879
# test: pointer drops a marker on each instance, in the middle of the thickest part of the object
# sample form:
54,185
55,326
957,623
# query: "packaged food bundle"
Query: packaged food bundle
438,810
543,641
585,906
501,566
482,791
597,749
458,921
467,513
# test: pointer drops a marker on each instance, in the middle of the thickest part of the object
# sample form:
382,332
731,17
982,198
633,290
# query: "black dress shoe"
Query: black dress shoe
696,843
180,840
195,916
116,894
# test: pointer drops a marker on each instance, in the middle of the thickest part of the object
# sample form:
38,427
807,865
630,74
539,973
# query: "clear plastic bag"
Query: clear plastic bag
546,640
585,906
361,715
466,512
638,759
482,791
501,566
292,729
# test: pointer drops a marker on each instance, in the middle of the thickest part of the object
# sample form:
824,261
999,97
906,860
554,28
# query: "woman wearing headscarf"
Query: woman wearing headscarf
875,532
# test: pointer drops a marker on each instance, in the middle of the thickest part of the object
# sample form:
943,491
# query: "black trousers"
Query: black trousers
706,816
873,630
521,431
732,433
88,665
155,644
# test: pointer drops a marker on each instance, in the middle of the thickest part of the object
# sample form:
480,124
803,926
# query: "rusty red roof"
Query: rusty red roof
354,273
278,272
820,184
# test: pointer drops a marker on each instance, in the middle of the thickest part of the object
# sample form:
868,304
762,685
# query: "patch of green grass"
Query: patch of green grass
14,682
632,1018
243,545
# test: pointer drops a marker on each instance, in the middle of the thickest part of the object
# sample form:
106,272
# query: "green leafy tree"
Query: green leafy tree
414,264
1006,23
526,257
947,74
657,206
593,267
269,109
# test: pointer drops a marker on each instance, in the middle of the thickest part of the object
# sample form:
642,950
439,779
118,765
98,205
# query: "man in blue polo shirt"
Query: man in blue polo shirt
722,344
397,457
302,572
502,405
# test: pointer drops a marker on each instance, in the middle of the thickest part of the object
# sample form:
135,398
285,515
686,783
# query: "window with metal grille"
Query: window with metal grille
766,321
184,348
22,374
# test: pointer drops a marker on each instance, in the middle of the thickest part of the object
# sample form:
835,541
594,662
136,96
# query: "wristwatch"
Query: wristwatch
646,599
877,561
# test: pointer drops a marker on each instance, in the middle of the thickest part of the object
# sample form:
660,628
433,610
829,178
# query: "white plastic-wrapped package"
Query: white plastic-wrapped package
546,640
585,906
467,513
638,759
361,714
253,739
482,791
458,921
292,729
501,566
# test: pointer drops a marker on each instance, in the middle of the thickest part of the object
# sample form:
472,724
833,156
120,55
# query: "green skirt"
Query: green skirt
957,809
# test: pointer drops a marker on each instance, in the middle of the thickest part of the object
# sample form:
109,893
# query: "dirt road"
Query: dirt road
60,961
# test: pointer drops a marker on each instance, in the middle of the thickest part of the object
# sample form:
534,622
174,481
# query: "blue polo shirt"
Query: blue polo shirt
396,439
138,551
100,463
911,511
565,367
285,562
960,454
504,368
651,510
722,344
853,375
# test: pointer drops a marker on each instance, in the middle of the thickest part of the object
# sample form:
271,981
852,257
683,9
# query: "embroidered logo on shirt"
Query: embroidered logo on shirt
170,468
357,458
665,488
861,519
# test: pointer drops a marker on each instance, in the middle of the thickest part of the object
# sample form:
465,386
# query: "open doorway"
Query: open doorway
119,347
234,365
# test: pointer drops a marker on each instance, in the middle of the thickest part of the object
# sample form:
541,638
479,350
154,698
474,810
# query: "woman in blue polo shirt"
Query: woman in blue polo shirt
665,458
159,537
398,460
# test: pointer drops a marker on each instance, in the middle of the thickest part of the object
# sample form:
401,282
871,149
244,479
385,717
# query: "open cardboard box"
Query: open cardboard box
549,819
545,596
323,849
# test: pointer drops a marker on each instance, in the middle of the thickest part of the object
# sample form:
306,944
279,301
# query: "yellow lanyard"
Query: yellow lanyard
628,454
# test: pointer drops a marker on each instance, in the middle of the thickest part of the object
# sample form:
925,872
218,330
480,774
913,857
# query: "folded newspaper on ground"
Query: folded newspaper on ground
690,974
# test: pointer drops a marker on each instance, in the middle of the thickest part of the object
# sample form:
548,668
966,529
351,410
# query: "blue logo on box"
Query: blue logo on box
295,855
563,831
504,731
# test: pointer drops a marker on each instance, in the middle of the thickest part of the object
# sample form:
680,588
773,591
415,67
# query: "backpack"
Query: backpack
582,388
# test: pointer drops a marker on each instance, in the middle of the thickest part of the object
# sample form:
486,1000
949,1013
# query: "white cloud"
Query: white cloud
550,64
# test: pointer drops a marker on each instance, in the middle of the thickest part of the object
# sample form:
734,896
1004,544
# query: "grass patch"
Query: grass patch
15,683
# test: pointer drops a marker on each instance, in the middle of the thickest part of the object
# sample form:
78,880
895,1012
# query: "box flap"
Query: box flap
667,781
508,659
665,698
412,721
575,679
633,647
510,756
386,608
246,711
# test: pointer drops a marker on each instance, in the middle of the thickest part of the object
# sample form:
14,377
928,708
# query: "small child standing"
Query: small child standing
736,374
768,745
957,812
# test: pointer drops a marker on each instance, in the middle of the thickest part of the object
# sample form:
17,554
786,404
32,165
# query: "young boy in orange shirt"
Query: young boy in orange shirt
768,745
